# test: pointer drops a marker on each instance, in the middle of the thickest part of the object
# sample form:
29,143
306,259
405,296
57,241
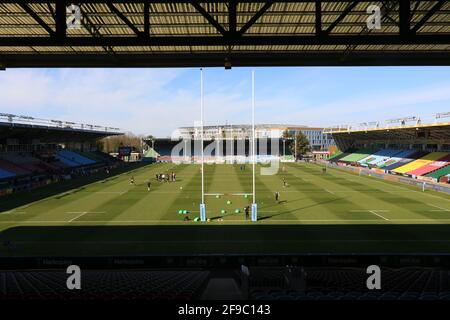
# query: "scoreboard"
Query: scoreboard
124,151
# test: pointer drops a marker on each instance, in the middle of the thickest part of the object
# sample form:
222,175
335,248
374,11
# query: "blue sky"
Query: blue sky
157,101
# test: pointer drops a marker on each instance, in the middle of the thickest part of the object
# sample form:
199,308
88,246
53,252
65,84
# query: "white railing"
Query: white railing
415,121
17,119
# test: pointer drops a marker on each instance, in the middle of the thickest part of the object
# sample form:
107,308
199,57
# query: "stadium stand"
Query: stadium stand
405,154
8,166
25,161
433,166
405,160
36,152
148,285
357,155
338,157
73,159
406,146
6,174
422,161
20,171
349,284
436,175
379,156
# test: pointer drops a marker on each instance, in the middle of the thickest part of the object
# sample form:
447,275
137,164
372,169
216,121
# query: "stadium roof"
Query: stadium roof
161,33
15,126
249,126
435,133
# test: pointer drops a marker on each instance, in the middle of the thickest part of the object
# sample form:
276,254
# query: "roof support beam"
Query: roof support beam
60,18
124,19
146,19
208,17
232,20
318,9
349,8
36,18
253,19
427,16
93,30
405,17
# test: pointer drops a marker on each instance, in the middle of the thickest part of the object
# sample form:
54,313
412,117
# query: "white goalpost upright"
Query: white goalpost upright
254,205
202,204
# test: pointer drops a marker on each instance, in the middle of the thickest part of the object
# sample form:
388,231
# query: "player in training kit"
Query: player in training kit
132,180
247,212
149,184
277,196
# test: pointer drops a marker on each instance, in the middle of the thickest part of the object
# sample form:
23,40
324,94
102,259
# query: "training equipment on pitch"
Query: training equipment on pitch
228,202
237,211
180,211
222,211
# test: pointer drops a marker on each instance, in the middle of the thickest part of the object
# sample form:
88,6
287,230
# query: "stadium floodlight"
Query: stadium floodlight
442,115
402,120
26,117
7,115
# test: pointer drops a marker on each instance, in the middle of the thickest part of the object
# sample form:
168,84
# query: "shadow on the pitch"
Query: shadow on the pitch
194,238
300,208
61,189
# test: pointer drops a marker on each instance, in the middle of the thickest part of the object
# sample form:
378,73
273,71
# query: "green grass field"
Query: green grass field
319,212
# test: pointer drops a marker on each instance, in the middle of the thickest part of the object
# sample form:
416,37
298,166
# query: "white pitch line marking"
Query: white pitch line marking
110,192
374,211
13,212
78,216
379,215
301,178
440,208
85,211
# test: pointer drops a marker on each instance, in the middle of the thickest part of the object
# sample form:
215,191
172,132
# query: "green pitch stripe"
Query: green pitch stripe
320,205
73,204
412,205
375,193
190,196
132,201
